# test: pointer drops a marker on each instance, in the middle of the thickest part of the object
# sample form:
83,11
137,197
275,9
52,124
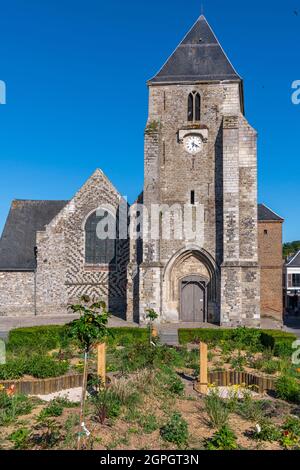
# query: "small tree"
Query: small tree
89,329
151,316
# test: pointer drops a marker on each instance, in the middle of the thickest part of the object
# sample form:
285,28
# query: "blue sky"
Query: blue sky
76,76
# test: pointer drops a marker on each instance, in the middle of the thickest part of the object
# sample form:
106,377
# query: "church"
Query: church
220,261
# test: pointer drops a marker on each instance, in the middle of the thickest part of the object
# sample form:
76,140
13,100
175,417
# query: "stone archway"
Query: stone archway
196,266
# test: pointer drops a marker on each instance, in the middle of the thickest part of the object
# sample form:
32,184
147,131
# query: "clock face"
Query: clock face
193,144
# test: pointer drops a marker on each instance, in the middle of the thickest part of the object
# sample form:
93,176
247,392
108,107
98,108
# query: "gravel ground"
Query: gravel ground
72,394
226,392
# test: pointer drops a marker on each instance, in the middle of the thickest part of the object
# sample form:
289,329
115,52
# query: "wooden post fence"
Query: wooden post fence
101,362
203,377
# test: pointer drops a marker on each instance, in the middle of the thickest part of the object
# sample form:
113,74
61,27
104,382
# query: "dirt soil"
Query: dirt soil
126,434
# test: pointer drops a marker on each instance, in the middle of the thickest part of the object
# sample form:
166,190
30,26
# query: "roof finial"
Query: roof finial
202,9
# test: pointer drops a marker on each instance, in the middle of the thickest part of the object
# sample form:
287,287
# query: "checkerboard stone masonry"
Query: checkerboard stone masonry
62,275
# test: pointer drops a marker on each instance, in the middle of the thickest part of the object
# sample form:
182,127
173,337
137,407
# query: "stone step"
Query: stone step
169,337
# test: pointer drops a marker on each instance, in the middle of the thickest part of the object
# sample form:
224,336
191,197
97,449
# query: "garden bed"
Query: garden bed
43,386
218,378
150,402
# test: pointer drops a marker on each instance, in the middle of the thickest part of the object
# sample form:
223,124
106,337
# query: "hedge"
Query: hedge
279,341
45,338
42,338
209,335
127,335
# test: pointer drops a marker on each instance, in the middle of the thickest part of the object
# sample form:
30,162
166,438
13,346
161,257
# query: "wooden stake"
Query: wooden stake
203,378
154,332
101,363
83,396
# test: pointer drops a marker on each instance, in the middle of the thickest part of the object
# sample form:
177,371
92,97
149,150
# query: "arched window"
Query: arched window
194,107
100,238
191,107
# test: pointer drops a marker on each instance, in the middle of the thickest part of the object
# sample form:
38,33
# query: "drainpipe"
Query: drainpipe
34,281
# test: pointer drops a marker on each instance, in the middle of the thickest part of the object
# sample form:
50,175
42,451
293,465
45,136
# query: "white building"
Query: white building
292,284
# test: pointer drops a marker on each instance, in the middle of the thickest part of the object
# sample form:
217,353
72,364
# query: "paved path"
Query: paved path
292,325
9,323
169,336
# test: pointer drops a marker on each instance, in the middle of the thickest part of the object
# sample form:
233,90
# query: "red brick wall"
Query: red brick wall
271,262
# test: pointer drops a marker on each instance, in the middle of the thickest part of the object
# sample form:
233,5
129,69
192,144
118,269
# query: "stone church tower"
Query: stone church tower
200,156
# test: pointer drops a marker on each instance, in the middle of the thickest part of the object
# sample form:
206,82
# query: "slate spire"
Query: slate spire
199,57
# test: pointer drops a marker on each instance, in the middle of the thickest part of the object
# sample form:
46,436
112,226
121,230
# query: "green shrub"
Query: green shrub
71,427
55,408
126,336
38,366
175,430
224,439
172,357
46,338
208,335
249,338
250,409
290,432
257,363
136,357
13,406
216,410
65,402
140,356
236,337
106,404
41,338
238,363
175,385
292,424
20,438
44,366
279,341
283,348
266,431
148,423
13,369
288,388
49,433
270,367
289,441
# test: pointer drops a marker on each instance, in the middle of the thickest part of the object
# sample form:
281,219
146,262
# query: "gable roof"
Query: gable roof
199,57
18,239
265,214
294,261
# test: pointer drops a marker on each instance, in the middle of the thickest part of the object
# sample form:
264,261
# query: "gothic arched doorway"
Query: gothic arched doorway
192,299
189,275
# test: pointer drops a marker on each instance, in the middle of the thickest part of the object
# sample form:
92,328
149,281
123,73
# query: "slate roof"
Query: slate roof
294,261
267,215
18,239
199,57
